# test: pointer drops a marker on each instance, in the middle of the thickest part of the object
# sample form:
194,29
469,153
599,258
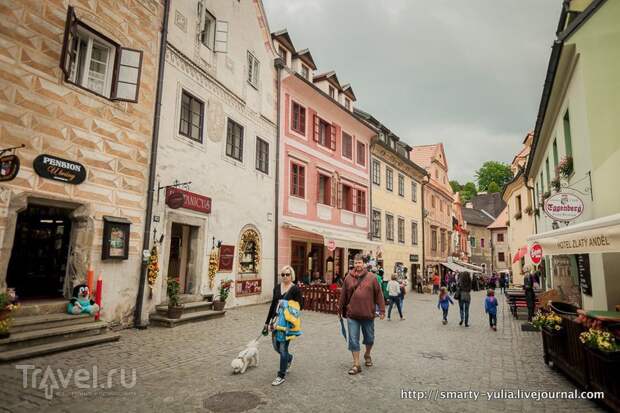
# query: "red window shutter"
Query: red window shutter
316,128
340,203
302,181
353,199
328,192
318,188
332,129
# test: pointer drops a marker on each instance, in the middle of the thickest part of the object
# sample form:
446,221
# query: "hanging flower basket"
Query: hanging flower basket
565,168
556,184
546,195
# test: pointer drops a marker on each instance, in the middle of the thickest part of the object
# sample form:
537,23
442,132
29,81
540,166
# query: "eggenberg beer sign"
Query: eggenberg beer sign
563,207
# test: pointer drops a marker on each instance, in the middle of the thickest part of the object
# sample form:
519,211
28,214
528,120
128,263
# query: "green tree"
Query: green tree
456,187
468,191
493,187
492,171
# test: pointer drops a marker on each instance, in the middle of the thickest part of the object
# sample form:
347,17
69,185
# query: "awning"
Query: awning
343,238
459,268
521,252
594,236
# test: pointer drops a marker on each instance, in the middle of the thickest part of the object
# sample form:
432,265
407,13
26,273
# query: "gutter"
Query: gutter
279,65
137,318
423,264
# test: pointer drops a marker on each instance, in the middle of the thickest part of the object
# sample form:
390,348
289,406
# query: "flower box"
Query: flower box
604,375
565,168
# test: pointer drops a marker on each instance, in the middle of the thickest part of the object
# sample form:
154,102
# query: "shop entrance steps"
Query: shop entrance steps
195,308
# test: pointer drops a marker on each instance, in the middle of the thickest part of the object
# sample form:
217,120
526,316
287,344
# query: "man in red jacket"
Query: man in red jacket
360,293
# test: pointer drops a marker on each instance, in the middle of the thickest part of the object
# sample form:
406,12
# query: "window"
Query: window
555,155
436,174
548,174
401,185
434,239
537,195
389,175
262,155
324,190
389,227
440,205
298,118
347,145
234,140
347,103
305,72
443,241
253,70
433,201
376,224
568,141
207,36
191,117
361,154
500,237
283,54
360,204
542,182
472,241
481,242
376,172
95,63
332,92
414,233
414,191
501,257
298,178
518,204
324,133
347,197
401,230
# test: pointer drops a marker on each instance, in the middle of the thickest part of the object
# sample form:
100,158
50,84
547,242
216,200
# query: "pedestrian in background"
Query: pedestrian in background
394,292
490,307
419,283
360,293
530,295
444,303
436,282
464,297
503,283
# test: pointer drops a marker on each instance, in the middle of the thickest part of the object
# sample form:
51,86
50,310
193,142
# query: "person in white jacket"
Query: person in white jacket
393,288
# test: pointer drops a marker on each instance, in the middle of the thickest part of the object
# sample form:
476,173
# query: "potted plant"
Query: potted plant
175,308
556,184
549,321
224,291
528,210
550,325
602,352
7,306
565,168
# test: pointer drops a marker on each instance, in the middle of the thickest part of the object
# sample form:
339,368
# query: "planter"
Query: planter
604,375
553,344
175,312
219,305
562,308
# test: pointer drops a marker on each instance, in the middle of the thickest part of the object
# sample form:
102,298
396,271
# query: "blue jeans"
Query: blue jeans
368,330
445,314
492,319
286,358
464,309
395,300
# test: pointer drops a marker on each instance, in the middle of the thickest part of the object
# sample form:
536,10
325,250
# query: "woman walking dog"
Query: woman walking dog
285,304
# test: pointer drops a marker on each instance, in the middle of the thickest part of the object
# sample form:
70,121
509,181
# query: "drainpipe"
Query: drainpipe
279,64
137,318
423,269
531,191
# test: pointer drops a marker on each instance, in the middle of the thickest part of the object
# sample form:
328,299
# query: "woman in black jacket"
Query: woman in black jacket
286,290
464,291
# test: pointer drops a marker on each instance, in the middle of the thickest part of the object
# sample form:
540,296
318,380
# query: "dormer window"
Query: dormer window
305,72
347,103
283,54
332,92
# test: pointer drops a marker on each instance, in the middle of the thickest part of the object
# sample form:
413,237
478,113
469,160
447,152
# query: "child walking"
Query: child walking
444,303
490,307
393,288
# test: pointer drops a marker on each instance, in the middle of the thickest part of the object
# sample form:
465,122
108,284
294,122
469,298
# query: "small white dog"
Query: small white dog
247,357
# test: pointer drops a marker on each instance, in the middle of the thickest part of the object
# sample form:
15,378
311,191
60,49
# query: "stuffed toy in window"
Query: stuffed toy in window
81,303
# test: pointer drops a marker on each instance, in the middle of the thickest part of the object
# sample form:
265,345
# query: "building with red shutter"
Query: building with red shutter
324,169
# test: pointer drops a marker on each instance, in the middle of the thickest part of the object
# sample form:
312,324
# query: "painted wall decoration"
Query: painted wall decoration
248,287
249,252
115,238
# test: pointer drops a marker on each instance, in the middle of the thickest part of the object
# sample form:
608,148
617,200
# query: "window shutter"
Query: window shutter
67,56
332,142
340,196
328,191
221,37
333,192
292,190
302,120
316,128
318,187
354,193
127,74
302,181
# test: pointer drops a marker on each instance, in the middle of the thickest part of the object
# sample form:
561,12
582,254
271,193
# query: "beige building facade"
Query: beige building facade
500,249
78,93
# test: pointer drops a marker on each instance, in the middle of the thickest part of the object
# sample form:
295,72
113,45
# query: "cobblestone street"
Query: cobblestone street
179,369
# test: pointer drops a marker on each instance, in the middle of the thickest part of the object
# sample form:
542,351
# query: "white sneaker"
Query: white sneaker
278,381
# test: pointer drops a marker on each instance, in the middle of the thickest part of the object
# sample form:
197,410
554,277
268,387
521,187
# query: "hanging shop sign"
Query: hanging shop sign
9,167
583,270
115,238
413,258
563,207
227,257
536,254
192,201
58,169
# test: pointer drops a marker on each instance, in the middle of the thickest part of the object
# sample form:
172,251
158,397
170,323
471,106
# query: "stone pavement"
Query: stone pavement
180,369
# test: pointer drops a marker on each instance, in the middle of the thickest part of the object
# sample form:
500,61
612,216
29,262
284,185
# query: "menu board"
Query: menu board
583,270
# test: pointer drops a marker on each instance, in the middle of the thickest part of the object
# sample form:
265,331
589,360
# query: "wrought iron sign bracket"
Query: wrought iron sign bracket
3,151
176,184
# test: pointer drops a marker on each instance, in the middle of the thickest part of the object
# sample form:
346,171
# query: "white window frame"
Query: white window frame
208,39
90,37
253,70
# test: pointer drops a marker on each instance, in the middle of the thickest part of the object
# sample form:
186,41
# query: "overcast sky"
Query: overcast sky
465,73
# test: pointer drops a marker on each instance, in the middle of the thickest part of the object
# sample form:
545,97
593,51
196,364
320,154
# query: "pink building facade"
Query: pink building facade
324,171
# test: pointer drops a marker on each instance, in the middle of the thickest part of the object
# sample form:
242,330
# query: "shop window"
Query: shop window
249,252
94,62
